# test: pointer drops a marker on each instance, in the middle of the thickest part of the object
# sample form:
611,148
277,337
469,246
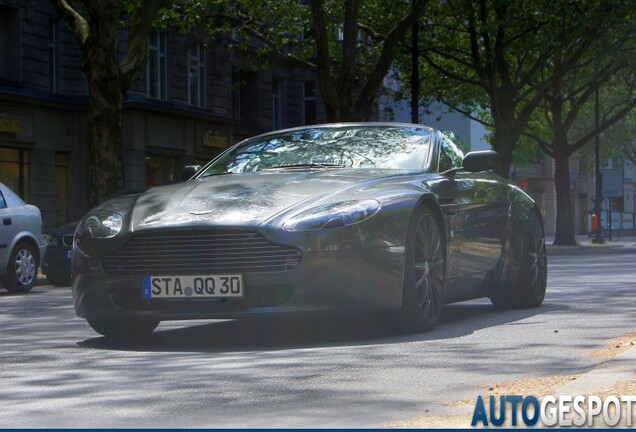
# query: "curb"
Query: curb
590,249
602,377
587,247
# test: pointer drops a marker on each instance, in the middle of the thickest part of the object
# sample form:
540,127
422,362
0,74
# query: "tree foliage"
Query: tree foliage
349,44
488,56
561,126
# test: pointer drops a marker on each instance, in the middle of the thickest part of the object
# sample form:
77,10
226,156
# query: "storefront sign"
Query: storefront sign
211,139
10,126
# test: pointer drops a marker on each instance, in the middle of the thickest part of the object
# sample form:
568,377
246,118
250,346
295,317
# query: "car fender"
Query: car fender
521,207
29,237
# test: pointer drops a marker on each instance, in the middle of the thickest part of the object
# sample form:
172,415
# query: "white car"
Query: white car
22,244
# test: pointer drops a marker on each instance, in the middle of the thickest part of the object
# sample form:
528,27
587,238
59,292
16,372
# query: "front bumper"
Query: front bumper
353,280
56,261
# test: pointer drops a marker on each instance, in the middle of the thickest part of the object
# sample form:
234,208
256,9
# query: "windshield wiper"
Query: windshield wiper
307,165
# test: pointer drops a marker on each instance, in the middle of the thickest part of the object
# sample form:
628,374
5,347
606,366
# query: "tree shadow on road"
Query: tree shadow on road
280,333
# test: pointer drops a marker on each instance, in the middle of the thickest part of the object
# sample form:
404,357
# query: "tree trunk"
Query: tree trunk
105,165
101,65
503,141
564,219
505,136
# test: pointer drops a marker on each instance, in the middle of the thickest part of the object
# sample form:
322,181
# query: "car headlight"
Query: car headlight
333,215
101,224
50,240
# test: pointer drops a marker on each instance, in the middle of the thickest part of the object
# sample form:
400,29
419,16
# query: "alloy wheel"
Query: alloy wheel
428,266
538,267
24,267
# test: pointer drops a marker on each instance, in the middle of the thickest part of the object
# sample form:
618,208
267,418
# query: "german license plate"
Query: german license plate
207,286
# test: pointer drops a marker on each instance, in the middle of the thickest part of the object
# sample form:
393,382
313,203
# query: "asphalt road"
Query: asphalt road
329,372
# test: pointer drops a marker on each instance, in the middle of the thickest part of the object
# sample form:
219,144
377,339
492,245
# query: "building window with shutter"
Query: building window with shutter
157,70
309,102
196,76
54,55
277,101
10,45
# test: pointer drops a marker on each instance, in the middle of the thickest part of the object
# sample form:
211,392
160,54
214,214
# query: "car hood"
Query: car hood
243,199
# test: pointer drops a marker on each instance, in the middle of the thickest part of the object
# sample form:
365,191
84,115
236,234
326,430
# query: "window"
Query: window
14,171
309,102
156,79
277,112
449,155
245,96
618,205
54,55
196,76
61,188
236,95
162,169
340,32
10,56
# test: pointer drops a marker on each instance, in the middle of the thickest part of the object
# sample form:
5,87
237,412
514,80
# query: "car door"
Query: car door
475,206
483,200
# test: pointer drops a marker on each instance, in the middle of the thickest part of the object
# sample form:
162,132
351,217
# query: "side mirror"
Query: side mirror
483,160
188,171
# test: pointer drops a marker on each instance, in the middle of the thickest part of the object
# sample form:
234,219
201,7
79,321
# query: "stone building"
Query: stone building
192,102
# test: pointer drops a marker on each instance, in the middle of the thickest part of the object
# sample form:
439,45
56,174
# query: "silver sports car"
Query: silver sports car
330,218
22,244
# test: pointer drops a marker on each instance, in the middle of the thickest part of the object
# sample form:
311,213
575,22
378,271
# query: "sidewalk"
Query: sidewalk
585,245
604,376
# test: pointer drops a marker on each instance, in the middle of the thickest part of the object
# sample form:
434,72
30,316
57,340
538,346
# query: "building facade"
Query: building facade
191,103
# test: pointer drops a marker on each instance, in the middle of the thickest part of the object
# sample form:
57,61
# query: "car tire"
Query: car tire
59,279
424,272
22,269
529,290
124,328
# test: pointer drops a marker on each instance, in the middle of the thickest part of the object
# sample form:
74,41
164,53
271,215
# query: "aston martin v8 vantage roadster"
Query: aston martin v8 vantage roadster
329,218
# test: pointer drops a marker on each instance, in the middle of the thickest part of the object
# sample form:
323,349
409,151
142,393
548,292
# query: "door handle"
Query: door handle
6,221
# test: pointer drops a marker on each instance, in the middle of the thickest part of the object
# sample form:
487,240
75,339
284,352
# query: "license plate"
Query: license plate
208,286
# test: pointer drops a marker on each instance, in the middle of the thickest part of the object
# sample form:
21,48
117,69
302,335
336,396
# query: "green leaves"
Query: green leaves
350,44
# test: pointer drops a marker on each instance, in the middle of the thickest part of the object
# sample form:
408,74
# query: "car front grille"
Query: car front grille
199,252
67,240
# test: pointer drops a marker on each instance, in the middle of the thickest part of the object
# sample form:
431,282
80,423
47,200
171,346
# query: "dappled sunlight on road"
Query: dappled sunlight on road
288,372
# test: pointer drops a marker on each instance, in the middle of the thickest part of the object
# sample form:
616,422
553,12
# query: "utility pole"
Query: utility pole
598,198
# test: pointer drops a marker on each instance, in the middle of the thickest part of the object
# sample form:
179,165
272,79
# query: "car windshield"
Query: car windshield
385,147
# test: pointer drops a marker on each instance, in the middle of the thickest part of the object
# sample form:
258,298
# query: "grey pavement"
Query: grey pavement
602,375
606,375
611,371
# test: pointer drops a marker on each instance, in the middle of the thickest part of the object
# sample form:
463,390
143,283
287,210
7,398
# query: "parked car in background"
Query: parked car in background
332,218
57,263
22,245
